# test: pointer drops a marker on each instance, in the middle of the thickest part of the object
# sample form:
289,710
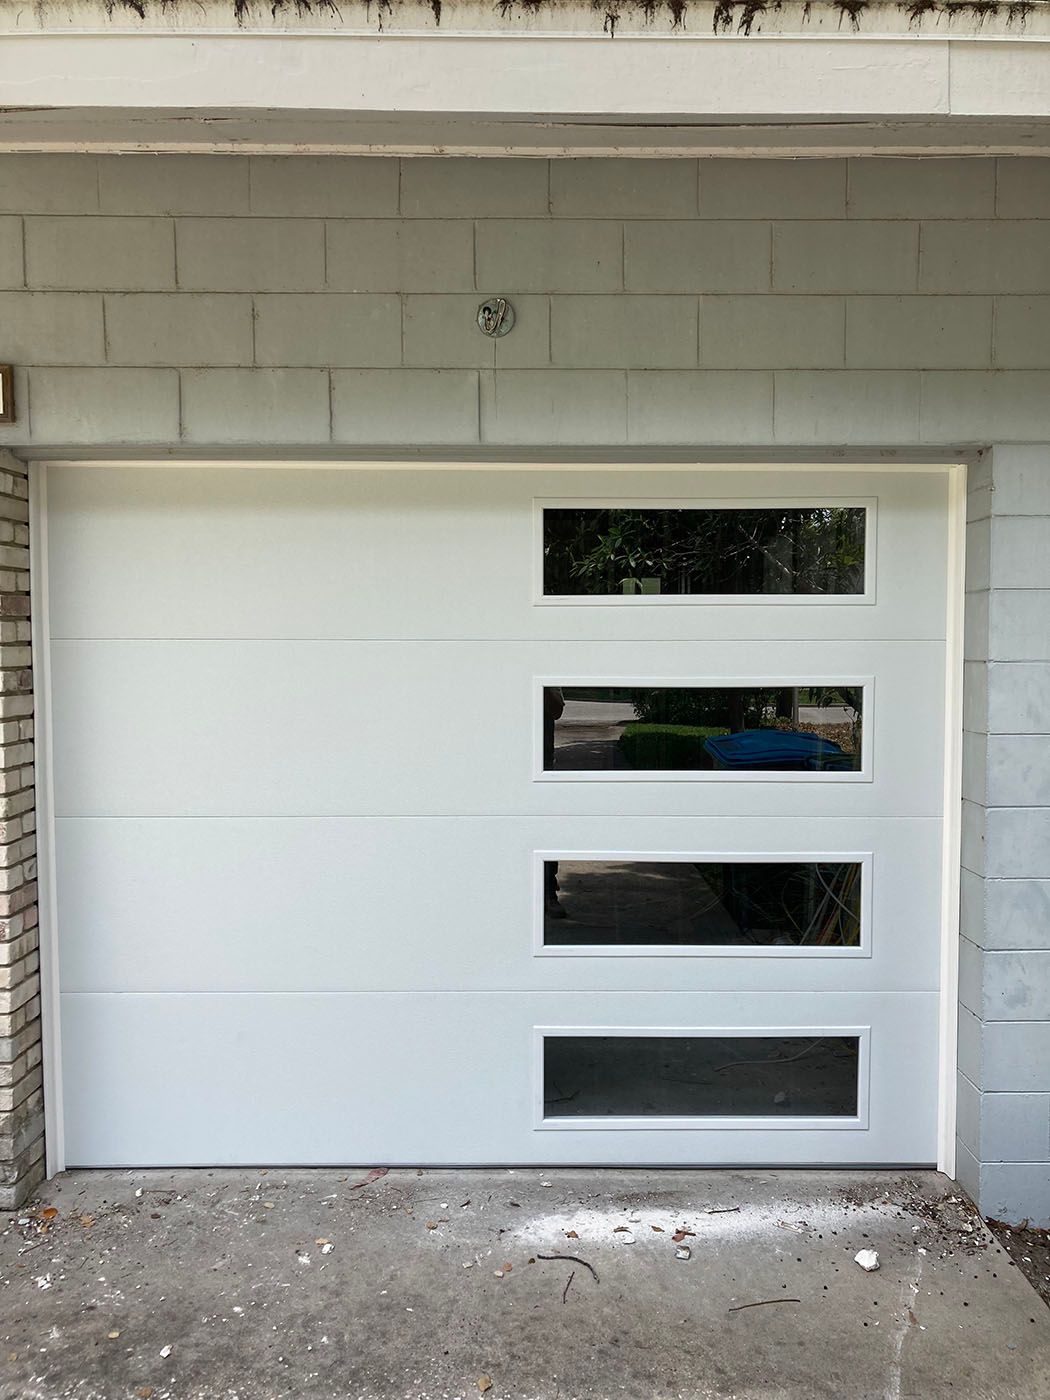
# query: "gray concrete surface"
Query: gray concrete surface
423,1284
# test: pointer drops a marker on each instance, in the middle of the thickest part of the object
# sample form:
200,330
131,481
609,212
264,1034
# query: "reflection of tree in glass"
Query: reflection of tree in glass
810,549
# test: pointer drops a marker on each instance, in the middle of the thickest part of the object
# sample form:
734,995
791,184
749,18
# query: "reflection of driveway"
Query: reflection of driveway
597,712
586,738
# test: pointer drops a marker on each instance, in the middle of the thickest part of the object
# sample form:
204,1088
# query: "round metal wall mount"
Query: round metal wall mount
495,316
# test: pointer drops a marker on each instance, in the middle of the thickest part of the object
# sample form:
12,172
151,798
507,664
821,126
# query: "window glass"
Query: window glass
671,550
742,1076
739,904
730,729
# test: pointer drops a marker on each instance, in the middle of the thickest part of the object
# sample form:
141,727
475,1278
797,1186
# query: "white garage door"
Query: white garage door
464,816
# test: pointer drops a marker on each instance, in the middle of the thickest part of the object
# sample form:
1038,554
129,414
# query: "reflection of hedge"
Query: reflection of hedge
646,746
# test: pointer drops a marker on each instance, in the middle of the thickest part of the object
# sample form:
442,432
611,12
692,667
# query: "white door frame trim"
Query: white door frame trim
951,845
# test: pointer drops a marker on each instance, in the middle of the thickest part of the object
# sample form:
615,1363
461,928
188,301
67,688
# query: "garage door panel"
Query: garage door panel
371,554
266,728
438,904
306,1078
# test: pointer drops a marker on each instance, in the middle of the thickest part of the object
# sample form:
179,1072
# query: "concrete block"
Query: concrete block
873,256
405,406
733,256
974,853
979,555
1020,551
1016,1191
1018,697
623,189
250,255
570,255
104,405
772,332
1017,843
173,184
968,1114
984,255
48,184
970,976
980,406
43,328
341,187
1016,987
978,504
385,255
647,332
772,189
1016,1127
255,405
915,332
1022,332
560,407
1024,187
179,328
1016,913
100,254
846,406
700,406
328,329
1022,479
975,767
1016,1056
1019,770
930,188
970,1046
1019,625
441,331
482,188
967,1169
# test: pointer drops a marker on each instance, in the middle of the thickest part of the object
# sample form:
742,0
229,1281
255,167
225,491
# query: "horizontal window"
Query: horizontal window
669,551
725,728
686,904
691,1076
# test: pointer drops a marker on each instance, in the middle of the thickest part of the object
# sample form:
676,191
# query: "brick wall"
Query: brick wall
21,1092
189,303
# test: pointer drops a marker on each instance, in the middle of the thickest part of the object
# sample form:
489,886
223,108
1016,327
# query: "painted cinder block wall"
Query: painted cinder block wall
884,307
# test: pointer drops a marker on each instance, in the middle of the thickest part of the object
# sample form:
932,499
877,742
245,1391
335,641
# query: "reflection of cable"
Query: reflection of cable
772,1059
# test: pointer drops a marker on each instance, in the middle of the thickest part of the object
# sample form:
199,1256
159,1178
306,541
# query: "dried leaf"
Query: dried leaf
48,1213
571,1235
679,1235
658,1228
144,1392
620,1230
484,1383
507,1268
373,1175
87,1221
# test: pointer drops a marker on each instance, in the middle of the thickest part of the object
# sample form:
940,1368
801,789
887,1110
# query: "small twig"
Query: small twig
764,1303
572,1259
722,1210
568,1285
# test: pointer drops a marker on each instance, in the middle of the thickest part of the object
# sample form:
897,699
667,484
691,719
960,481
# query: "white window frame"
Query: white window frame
636,600
851,1123
705,775
865,859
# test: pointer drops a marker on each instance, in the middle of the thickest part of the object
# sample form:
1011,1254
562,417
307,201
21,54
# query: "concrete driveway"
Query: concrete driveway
239,1285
